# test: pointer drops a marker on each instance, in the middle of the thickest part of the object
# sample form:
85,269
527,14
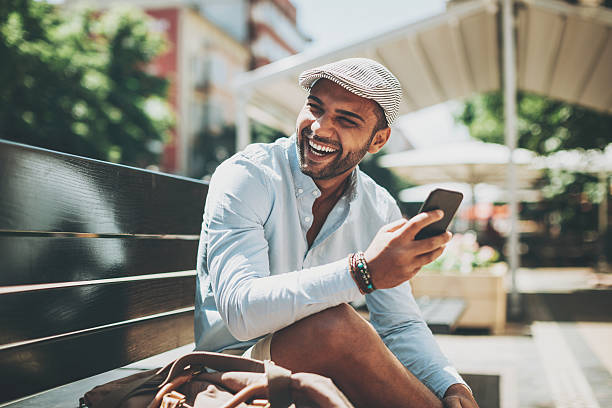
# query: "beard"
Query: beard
339,165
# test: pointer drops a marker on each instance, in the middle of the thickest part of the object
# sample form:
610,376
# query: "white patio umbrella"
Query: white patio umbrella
483,193
470,162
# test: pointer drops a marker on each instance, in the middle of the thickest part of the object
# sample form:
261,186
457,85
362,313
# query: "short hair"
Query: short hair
381,119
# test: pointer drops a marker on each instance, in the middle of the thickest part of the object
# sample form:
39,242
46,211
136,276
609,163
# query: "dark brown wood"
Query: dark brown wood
26,260
43,190
77,237
42,313
32,368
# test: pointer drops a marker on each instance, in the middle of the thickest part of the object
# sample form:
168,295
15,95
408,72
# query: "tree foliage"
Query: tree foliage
382,175
75,82
544,125
211,148
569,208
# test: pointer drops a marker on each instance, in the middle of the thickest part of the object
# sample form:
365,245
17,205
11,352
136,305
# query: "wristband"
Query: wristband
359,270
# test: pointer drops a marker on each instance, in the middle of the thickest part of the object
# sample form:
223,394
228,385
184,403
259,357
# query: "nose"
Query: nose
322,126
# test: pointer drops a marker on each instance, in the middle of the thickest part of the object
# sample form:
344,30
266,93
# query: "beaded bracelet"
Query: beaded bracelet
360,273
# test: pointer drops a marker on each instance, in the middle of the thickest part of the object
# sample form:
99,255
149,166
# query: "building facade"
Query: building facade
210,42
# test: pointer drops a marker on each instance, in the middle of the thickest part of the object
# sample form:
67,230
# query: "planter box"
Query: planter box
484,293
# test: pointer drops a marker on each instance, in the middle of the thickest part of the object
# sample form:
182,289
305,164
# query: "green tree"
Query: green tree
75,82
569,208
544,125
211,148
382,175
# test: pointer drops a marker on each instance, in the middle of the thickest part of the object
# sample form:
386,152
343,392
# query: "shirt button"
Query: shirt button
300,191
307,219
315,193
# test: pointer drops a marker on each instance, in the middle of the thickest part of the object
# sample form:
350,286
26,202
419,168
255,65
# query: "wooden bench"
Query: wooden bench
97,266
441,314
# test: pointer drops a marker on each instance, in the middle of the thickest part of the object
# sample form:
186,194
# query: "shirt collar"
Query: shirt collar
306,183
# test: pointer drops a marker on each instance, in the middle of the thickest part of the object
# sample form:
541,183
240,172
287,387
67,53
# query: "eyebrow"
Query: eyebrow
341,111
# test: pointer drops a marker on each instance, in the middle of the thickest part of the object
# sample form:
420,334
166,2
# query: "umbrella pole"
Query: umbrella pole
602,218
472,207
243,136
511,133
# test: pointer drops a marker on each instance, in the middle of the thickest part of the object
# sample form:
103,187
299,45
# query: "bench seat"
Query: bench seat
441,314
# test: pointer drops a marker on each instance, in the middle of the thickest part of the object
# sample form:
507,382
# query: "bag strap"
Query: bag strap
279,385
279,379
216,361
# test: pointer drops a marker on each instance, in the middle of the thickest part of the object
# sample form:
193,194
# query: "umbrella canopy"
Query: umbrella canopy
583,161
564,52
471,162
483,193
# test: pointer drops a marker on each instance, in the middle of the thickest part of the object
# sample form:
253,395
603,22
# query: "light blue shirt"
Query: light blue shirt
257,275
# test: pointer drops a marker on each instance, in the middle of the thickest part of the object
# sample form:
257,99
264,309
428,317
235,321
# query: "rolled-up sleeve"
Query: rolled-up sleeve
251,301
396,317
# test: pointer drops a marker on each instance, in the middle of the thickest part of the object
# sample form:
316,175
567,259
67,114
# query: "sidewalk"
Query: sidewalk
560,352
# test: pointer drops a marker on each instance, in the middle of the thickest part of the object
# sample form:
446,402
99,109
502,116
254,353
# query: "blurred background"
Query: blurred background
180,85
158,84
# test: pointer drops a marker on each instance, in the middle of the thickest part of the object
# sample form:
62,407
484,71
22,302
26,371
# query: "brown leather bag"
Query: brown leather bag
235,382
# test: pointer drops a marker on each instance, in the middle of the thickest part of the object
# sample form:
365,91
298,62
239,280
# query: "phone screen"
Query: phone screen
440,199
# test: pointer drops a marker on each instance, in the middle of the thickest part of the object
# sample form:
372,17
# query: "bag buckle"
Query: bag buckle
174,399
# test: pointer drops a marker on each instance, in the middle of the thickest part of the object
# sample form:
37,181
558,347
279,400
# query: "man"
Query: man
279,252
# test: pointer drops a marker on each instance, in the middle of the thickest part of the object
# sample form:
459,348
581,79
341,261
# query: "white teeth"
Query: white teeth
320,147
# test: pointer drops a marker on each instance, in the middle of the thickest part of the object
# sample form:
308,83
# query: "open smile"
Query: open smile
320,150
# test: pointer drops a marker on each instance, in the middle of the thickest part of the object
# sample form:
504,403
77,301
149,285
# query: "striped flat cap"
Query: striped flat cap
363,77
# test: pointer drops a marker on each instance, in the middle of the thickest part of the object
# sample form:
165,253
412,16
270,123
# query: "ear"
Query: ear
380,139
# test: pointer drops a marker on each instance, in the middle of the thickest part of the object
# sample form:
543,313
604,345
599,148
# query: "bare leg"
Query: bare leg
340,344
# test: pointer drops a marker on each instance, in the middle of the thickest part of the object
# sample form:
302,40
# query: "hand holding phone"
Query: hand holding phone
440,199
394,256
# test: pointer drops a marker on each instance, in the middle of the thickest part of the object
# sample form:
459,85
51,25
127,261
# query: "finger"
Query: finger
451,402
395,225
420,221
430,244
428,257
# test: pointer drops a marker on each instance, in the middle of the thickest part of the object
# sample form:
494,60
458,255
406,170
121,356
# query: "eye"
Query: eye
314,108
347,122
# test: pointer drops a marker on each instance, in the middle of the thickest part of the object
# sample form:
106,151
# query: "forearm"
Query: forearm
397,319
255,306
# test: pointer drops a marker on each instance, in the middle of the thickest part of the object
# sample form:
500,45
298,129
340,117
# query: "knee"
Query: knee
339,326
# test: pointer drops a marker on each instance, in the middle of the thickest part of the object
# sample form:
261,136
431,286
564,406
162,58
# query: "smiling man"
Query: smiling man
293,231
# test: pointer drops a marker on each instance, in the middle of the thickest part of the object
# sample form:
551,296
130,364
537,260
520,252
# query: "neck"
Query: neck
333,188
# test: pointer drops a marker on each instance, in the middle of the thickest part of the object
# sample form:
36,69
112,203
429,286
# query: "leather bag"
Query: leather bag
214,380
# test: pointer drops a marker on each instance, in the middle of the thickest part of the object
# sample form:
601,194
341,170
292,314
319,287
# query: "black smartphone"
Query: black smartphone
440,199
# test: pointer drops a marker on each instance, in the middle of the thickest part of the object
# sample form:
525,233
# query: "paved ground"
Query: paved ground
558,353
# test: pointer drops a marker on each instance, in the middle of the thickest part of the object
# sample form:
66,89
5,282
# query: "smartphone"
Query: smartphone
440,199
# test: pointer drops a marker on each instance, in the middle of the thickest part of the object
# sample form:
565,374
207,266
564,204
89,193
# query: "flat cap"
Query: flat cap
363,77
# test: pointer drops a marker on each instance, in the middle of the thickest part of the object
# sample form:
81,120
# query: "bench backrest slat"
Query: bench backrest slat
28,260
97,266
48,191
37,314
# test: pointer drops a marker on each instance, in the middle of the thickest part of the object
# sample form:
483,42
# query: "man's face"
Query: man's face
334,130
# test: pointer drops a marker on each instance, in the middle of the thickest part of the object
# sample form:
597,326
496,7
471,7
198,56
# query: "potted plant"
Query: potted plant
472,272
